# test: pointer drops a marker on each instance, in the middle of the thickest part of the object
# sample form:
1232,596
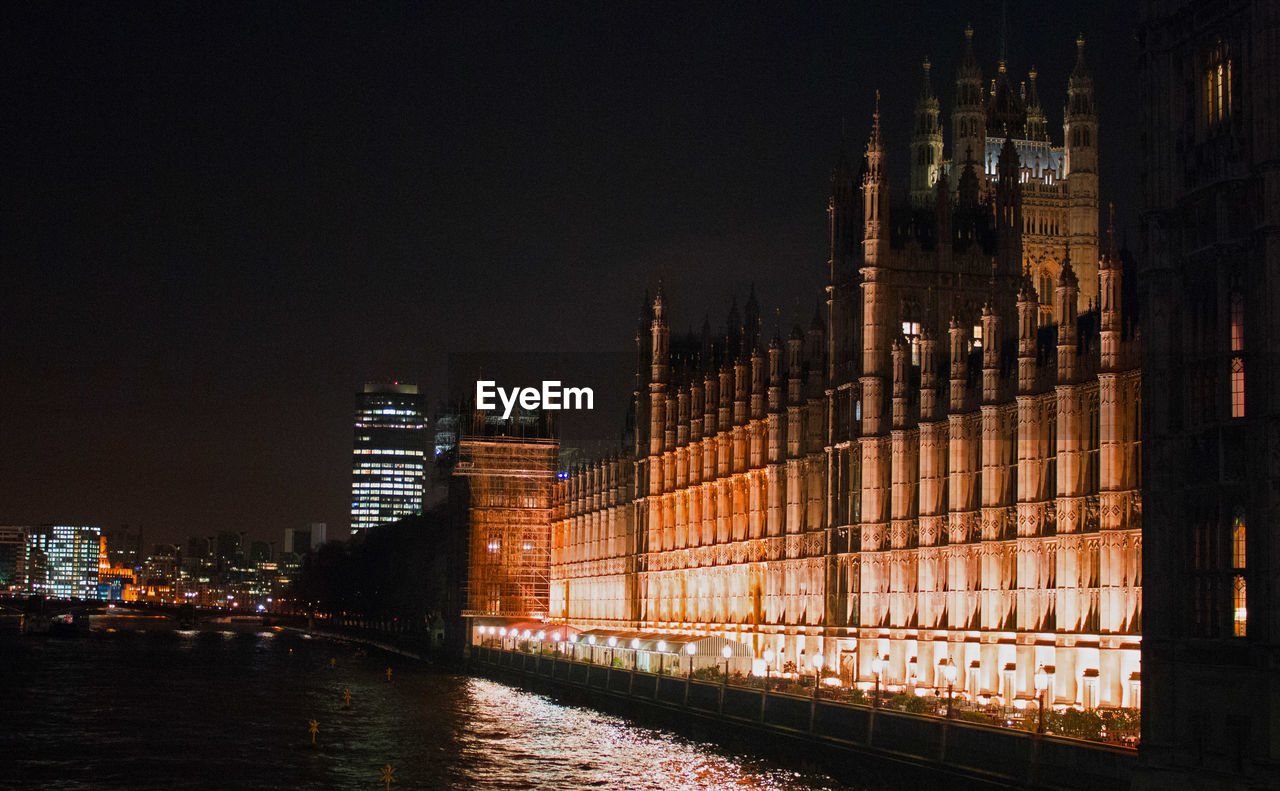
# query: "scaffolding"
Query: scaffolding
510,482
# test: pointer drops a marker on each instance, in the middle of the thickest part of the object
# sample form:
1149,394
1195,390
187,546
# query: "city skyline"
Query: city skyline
259,237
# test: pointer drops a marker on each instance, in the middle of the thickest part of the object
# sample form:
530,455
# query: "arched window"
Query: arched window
1217,85
1237,354
1239,553
1046,288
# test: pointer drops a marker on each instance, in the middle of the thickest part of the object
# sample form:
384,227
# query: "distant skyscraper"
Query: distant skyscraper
62,560
390,442
12,557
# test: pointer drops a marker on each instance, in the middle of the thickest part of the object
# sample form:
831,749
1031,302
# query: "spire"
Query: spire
1004,33
926,144
875,126
969,62
659,302
1037,125
1080,85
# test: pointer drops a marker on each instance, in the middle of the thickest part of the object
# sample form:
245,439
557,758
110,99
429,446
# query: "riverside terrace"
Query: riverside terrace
730,663
825,721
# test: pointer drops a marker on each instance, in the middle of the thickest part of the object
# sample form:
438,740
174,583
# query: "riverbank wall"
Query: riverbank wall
860,745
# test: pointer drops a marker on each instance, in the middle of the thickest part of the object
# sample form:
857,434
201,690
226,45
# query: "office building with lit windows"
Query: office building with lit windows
387,465
62,560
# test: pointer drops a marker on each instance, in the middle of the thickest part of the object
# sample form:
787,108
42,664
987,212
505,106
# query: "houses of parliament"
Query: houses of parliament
942,468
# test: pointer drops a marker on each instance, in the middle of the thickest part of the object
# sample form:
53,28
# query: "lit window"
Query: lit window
1218,87
1237,387
911,329
977,336
1238,539
1239,601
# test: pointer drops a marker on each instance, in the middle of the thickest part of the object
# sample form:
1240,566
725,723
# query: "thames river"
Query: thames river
147,707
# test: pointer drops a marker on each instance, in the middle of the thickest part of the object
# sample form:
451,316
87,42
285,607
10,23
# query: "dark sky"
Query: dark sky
218,220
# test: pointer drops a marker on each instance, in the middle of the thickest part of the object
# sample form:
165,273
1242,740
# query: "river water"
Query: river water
146,707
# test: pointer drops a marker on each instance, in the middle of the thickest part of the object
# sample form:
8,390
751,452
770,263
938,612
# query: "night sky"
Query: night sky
219,220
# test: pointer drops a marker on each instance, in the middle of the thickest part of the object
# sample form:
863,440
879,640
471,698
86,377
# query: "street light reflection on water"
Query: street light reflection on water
520,740
215,709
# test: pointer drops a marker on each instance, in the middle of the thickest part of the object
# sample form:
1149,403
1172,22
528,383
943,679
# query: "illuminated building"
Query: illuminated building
390,442
62,560
942,469
1210,277
12,557
508,467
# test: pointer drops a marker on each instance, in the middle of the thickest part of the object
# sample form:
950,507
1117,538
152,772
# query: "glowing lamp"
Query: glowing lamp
689,649
768,656
591,639
635,643
1042,679
555,637
613,642
726,652
662,645
817,662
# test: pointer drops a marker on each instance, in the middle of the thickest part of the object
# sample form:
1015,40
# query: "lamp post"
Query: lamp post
635,653
689,649
726,652
767,656
1042,684
591,641
613,643
877,667
555,638
817,673
662,650
949,672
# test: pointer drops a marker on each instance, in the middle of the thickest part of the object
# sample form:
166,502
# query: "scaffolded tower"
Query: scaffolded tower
510,467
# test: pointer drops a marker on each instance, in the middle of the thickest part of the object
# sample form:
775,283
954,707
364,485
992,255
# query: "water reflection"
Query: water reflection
229,710
517,739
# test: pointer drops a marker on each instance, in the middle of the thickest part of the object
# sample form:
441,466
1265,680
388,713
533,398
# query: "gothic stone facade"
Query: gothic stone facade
942,468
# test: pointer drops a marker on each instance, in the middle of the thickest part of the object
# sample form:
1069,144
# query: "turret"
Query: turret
1068,294
1006,116
1028,327
899,355
990,354
1109,275
969,120
929,375
1081,133
875,196
1008,212
775,374
959,365
1037,124
660,337
757,384
926,146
